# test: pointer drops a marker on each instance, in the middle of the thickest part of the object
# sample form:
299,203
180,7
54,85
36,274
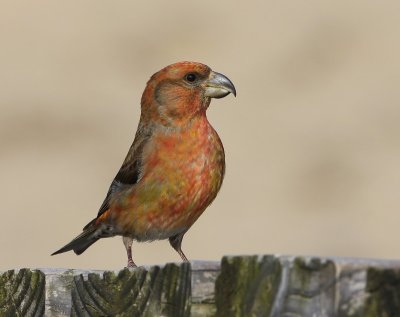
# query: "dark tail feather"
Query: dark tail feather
89,236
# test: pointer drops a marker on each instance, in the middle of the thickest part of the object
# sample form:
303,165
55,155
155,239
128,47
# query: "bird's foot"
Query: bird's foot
131,264
183,256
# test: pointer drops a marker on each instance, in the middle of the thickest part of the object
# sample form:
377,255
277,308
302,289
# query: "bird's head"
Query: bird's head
180,91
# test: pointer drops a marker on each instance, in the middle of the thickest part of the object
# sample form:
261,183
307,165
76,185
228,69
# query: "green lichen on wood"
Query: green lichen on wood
383,287
247,285
176,290
22,293
140,292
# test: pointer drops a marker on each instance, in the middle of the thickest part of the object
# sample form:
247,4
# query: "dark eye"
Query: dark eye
191,77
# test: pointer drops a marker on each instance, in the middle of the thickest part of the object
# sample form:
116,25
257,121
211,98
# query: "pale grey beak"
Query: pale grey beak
218,86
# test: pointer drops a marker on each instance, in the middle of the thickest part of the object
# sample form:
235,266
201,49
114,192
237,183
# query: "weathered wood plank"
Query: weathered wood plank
22,293
383,287
139,292
158,290
307,288
368,288
204,275
59,284
247,286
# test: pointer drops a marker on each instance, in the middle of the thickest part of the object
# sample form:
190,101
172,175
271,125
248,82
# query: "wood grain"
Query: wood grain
22,293
139,292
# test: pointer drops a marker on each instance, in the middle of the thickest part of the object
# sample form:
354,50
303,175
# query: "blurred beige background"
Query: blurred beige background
312,140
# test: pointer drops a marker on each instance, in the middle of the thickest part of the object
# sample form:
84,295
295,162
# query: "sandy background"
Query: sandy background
312,140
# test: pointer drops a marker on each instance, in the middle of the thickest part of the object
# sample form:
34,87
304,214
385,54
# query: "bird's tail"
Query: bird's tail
89,236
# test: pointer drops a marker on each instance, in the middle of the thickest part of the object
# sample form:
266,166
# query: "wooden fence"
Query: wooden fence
238,286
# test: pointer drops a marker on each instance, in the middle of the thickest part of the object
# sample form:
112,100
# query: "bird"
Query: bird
174,168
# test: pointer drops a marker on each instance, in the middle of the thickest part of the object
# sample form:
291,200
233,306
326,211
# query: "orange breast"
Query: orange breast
181,175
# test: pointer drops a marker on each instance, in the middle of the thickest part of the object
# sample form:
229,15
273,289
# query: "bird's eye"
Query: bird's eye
191,77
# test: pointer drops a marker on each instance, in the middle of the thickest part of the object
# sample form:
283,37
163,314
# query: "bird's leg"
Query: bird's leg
176,242
128,246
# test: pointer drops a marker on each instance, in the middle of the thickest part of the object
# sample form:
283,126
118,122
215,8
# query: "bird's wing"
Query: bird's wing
128,174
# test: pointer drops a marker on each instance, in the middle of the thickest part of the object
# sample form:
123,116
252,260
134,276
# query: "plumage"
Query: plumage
174,168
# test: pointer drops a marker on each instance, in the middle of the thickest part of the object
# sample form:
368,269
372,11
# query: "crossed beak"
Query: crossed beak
218,86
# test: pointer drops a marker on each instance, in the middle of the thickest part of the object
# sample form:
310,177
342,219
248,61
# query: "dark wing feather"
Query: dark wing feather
128,174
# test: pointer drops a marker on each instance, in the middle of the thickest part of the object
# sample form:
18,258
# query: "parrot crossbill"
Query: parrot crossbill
174,168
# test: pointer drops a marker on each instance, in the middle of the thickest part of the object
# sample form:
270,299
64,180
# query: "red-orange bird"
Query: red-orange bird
174,168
